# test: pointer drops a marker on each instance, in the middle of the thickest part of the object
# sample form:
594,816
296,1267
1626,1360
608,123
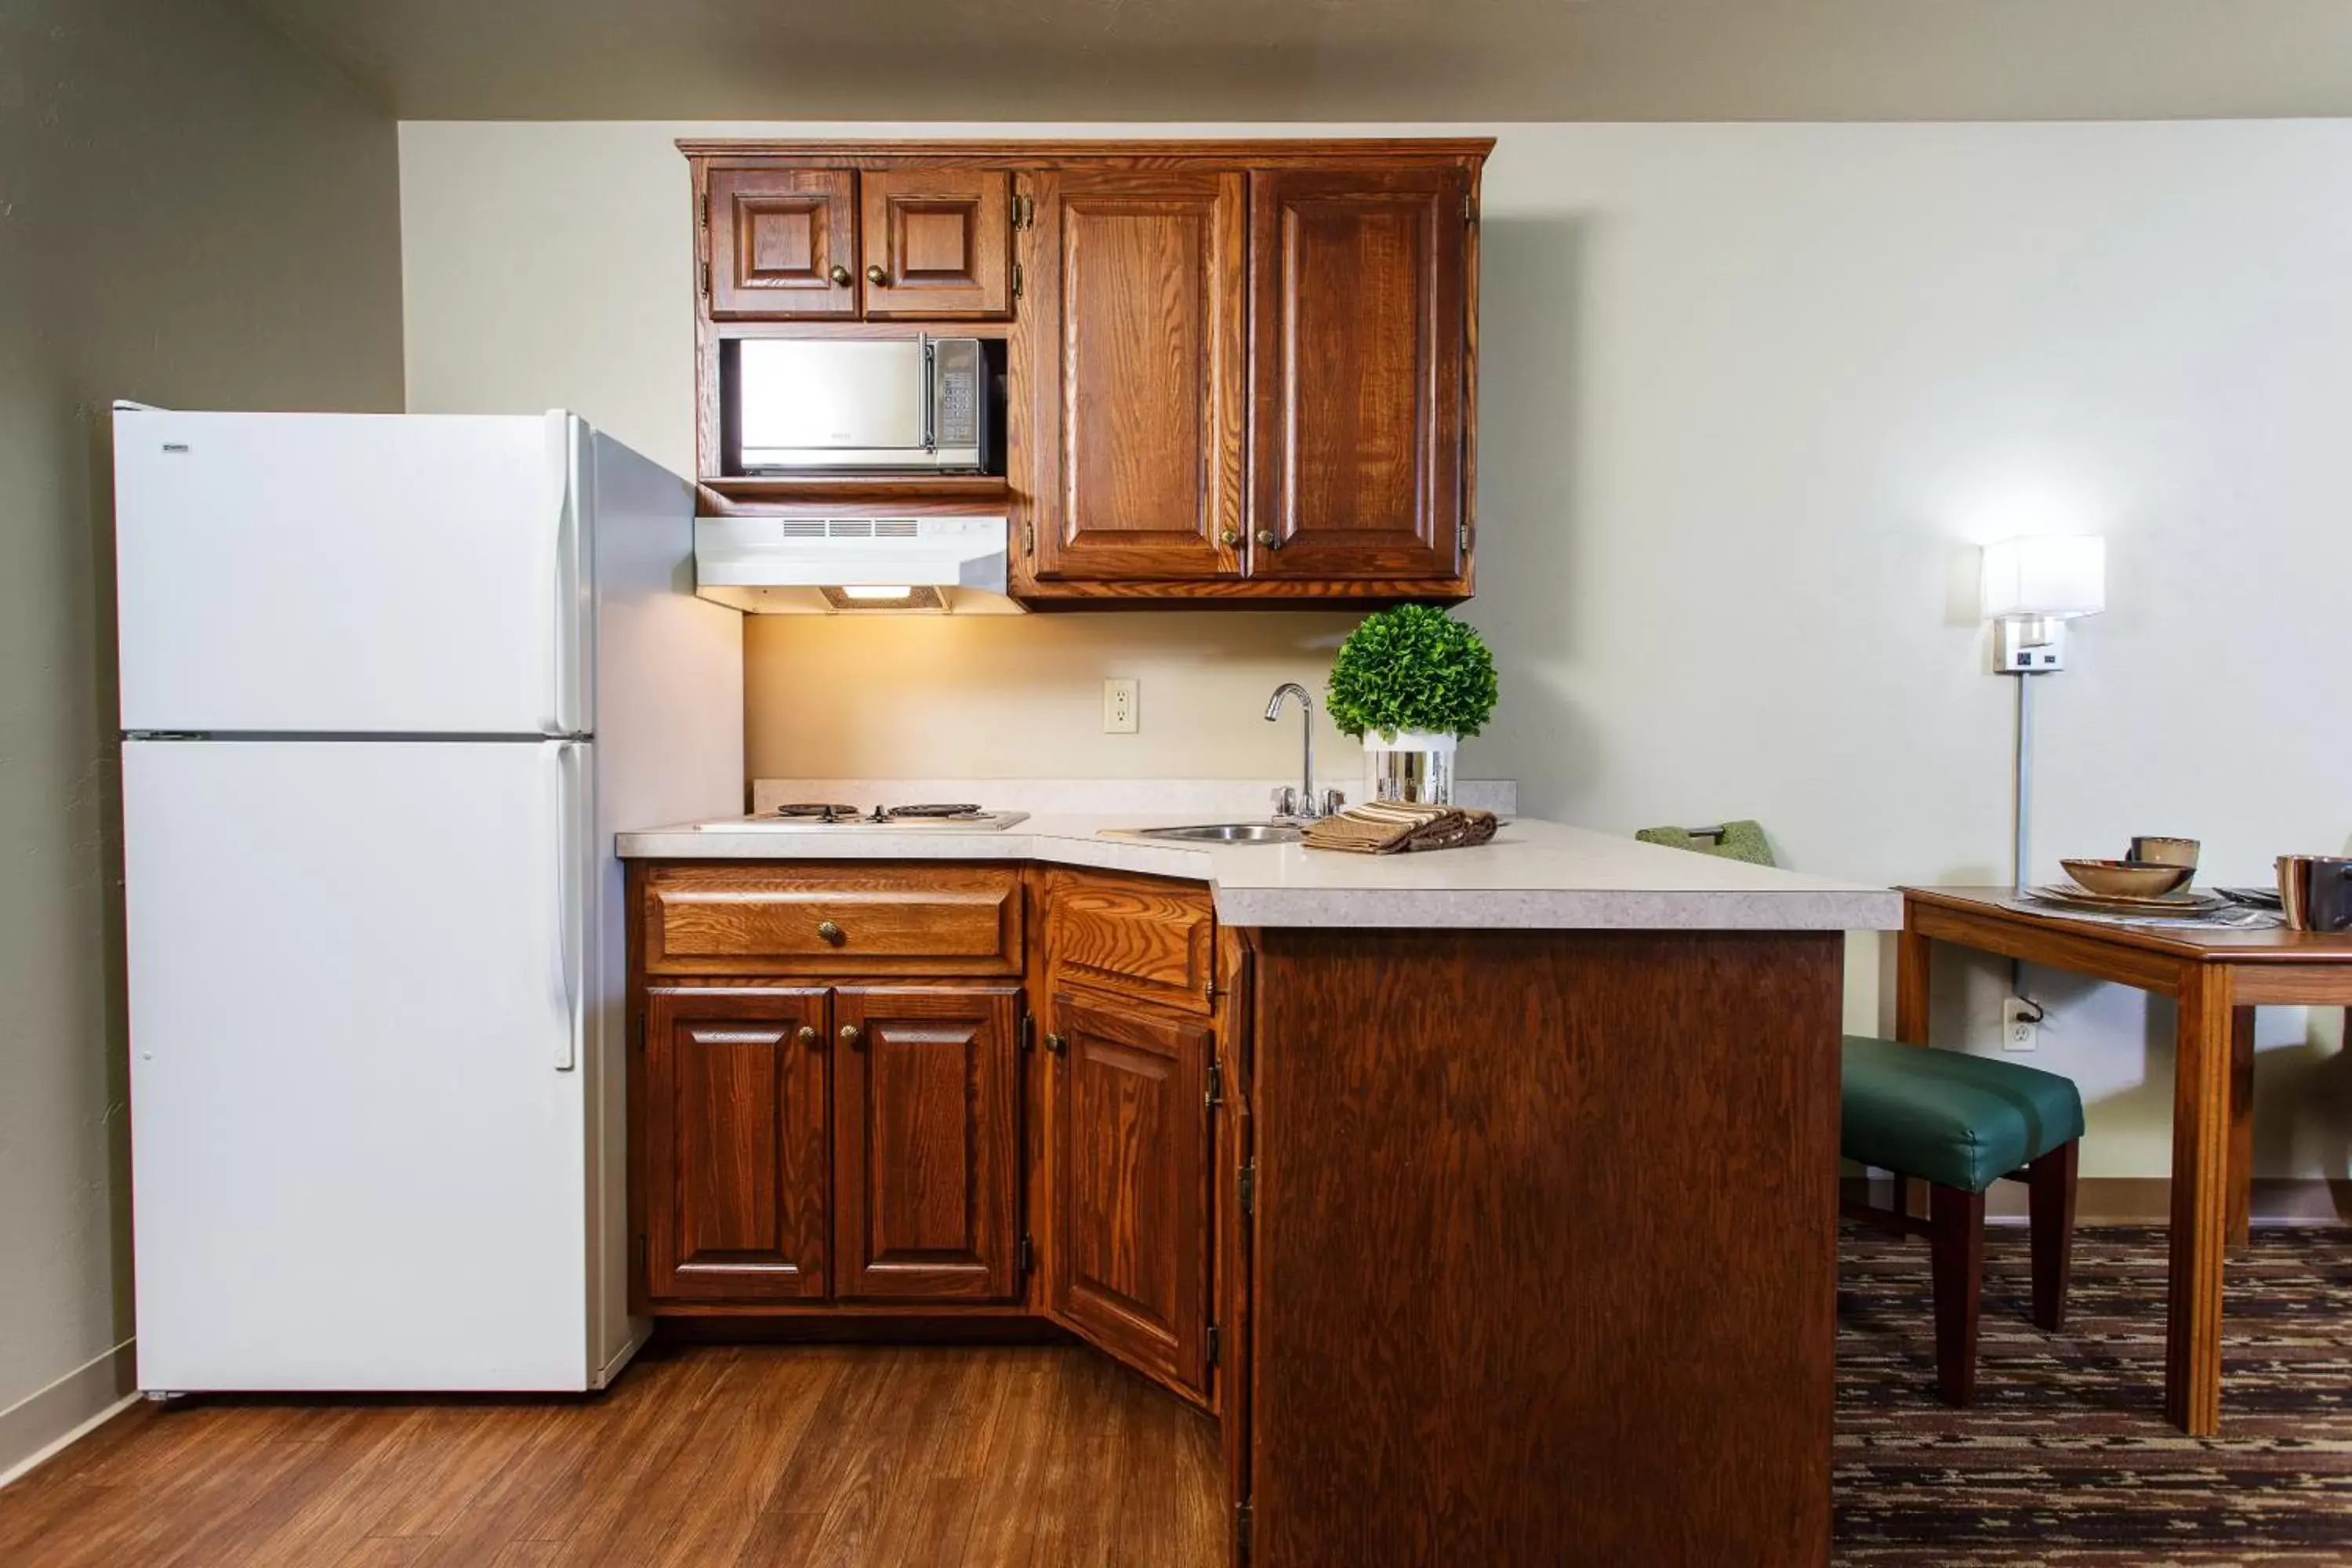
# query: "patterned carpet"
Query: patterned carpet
2065,1457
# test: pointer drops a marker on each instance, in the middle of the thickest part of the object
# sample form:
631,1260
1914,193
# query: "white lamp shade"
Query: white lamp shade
2054,578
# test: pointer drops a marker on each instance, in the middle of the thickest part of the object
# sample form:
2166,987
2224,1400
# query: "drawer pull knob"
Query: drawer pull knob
831,932
808,1037
852,1038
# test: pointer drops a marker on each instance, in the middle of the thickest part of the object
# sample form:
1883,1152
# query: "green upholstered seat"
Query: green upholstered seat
1946,1116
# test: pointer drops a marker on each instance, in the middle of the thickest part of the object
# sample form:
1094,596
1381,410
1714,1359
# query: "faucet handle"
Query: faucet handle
1335,801
1285,800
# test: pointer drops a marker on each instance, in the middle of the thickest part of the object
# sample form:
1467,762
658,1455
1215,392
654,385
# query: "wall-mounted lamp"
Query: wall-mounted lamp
2032,587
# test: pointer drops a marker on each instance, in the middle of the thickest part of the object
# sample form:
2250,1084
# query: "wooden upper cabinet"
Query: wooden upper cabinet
937,243
783,244
1231,372
926,1143
1360,293
1136,363
735,1170
1132,1161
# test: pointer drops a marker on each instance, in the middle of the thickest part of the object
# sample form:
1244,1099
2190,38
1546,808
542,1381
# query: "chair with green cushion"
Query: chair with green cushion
1959,1122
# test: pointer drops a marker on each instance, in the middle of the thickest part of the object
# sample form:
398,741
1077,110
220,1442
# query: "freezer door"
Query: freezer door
359,1136
349,573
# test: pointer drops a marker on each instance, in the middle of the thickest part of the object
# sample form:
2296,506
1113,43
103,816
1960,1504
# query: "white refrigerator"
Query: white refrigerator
389,685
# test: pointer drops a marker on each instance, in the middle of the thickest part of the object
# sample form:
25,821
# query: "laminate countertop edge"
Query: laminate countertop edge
1535,876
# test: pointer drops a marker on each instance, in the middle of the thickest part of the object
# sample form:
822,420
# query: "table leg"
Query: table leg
2242,1126
1911,954
2201,1201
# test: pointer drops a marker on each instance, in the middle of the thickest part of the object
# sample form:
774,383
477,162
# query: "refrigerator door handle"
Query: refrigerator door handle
571,922
568,704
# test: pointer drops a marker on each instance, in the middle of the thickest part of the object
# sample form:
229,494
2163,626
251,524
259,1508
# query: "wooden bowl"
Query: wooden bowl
2129,879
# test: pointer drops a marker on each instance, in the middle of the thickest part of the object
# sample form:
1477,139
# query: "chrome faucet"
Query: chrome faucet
1301,803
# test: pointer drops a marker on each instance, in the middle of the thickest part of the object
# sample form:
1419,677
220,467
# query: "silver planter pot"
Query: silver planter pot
1415,767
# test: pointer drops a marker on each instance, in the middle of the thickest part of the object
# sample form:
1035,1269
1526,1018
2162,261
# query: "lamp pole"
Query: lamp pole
2021,786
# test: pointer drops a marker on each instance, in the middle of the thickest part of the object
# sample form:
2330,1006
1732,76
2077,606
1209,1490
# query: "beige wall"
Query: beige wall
191,212
1749,396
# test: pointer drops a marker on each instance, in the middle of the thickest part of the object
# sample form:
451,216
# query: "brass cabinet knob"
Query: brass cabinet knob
1265,540
1059,1045
852,1038
876,275
841,276
1230,538
808,1037
831,932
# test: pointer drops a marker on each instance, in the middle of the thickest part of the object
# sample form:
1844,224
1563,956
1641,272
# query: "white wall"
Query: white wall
191,212
1749,394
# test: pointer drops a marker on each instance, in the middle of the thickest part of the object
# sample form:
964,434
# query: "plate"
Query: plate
2192,903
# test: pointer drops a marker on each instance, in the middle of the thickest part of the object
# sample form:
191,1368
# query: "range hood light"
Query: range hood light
877,590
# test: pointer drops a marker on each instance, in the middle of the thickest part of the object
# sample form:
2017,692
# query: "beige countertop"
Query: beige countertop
1533,875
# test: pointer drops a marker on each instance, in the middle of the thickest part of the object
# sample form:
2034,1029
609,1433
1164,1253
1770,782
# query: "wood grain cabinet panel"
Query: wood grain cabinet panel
926,1143
827,918
735,1144
1146,936
1359,286
1132,1132
938,243
1135,358
783,244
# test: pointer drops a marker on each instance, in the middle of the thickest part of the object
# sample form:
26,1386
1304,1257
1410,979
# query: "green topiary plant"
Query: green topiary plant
1412,667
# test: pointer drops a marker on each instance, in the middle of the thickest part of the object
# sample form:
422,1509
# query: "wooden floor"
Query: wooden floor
774,1454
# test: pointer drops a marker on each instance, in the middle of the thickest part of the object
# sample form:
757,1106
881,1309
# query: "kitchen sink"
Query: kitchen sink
1226,833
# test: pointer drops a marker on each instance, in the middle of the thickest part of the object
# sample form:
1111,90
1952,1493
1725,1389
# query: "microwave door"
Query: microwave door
814,404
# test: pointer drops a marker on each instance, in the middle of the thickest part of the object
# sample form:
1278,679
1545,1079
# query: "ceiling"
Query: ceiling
1400,60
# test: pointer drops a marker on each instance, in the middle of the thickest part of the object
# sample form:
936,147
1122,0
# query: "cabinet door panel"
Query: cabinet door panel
776,236
1358,281
1136,372
926,1143
942,239
735,1127
1131,1221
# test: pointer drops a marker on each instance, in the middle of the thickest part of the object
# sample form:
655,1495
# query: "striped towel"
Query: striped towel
1391,827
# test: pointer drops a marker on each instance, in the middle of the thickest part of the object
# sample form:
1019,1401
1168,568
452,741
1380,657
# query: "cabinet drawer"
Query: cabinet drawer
1143,935
829,918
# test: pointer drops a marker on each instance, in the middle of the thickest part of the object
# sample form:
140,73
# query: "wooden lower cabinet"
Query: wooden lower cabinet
926,1143
1130,1198
734,1145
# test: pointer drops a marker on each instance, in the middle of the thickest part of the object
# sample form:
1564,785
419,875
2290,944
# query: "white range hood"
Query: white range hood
826,565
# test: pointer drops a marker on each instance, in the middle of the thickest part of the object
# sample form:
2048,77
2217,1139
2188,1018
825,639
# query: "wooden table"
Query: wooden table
2218,978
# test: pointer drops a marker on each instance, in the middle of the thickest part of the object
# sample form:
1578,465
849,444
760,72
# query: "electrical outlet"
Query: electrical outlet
1118,705
2021,1024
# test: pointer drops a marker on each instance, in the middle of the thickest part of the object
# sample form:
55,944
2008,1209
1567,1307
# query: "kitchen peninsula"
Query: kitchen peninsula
1486,1198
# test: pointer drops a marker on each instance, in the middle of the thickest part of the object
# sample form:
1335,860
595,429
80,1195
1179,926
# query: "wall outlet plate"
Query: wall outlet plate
1119,699
2021,1024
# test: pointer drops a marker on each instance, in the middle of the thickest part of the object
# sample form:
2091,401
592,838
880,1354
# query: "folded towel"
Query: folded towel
1391,827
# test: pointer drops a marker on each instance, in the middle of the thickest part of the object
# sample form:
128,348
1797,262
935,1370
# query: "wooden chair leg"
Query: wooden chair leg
2050,1182
1955,1255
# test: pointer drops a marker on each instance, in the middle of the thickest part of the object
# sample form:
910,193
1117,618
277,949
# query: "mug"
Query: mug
2316,891
2157,851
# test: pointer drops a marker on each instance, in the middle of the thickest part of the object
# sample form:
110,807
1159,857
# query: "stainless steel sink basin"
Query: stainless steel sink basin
1226,833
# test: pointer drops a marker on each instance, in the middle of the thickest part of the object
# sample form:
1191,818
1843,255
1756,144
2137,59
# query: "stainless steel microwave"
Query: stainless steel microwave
915,403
